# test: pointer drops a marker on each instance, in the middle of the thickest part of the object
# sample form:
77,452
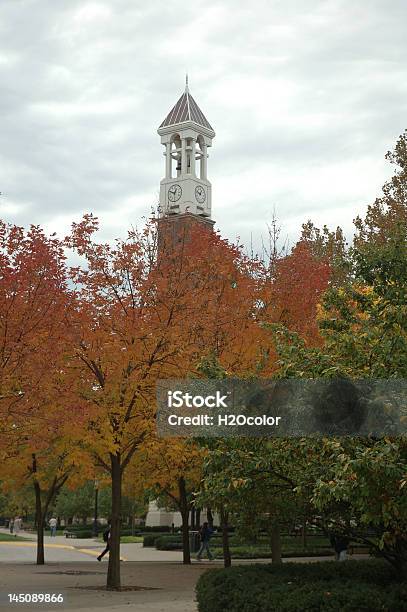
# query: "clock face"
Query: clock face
200,194
174,193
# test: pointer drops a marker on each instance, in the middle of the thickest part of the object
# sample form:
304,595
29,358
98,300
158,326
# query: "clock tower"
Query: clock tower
185,192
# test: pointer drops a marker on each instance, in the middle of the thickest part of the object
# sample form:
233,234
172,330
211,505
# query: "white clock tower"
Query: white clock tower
186,135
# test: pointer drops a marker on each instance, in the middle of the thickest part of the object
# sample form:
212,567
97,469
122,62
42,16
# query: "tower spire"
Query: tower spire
186,135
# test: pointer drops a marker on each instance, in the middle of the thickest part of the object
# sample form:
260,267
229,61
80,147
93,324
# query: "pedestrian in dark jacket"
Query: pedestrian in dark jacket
205,534
340,545
106,538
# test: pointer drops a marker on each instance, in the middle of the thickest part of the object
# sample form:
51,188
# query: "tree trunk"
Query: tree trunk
113,570
198,518
275,544
184,510
193,518
38,514
227,559
209,516
304,533
40,525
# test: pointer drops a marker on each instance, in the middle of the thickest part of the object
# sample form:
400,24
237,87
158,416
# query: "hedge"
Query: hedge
238,551
362,586
151,538
169,542
84,533
258,552
156,529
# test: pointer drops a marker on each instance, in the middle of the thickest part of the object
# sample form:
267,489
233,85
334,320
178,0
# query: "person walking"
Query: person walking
17,526
11,525
340,545
53,526
205,533
106,538
342,548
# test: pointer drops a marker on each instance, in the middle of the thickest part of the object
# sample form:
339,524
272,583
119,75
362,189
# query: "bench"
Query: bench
70,534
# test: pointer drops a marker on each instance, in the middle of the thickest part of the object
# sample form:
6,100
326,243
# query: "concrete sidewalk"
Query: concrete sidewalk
60,549
163,587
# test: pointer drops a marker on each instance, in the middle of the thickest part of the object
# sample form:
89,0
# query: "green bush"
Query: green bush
170,546
85,533
169,542
160,529
264,552
156,529
150,539
362,586
78,527
128,532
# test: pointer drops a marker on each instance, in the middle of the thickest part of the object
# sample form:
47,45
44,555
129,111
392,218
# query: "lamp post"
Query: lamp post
95,520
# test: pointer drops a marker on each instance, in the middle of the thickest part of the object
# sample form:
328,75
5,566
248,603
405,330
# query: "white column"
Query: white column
192,162
183,156
204,162
168,160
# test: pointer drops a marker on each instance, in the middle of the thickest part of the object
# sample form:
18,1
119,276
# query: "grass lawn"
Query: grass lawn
127,539
131,539
8,537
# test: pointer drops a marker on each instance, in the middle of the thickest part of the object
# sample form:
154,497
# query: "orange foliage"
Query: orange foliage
297,289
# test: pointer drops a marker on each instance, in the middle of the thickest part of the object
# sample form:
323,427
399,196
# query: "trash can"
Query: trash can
194,541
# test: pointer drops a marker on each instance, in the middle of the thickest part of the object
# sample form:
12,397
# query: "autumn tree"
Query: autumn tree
364,327
35,404
171,470
33,295
300,281
145,316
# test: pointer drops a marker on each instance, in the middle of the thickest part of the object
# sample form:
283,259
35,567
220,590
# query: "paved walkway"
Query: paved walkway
63,549
165,585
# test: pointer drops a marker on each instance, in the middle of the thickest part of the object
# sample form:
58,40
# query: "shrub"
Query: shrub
128,532
155,529
150,539
172,542
84,533
365,586
264,552
78,527
170,546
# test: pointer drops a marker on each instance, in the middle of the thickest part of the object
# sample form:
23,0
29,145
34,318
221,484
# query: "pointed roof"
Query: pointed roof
186,109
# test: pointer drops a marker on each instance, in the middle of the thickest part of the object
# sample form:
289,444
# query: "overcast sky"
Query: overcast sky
305,96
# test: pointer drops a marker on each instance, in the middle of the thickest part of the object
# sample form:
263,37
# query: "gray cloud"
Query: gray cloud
305,98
